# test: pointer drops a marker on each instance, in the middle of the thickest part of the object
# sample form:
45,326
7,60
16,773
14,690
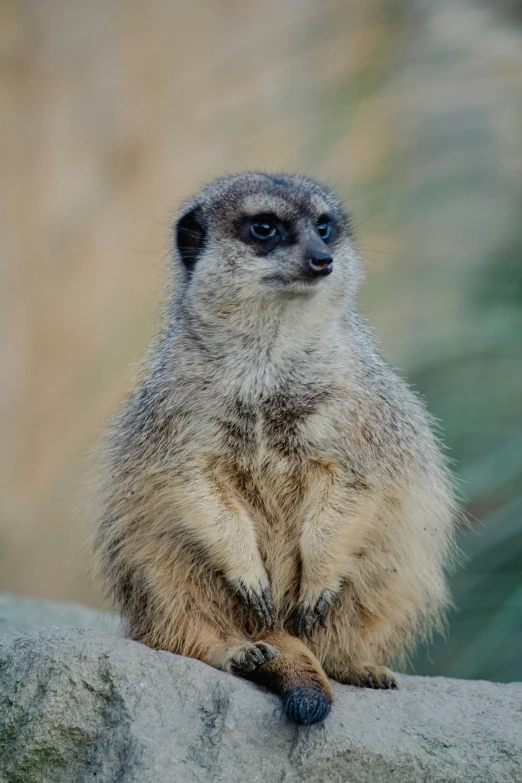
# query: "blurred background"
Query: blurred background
112,111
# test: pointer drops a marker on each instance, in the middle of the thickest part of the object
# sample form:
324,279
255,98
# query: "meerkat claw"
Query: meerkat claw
251,657
269,607
306,619
321,609
258,603
309,617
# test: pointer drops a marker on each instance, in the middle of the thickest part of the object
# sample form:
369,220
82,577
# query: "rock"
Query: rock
83,705
18,615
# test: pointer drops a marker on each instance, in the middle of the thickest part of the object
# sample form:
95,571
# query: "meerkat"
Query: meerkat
274,501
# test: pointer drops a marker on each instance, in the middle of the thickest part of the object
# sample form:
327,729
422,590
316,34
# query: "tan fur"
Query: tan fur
268,446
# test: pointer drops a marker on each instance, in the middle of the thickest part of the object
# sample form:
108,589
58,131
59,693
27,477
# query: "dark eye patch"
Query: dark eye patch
325,227
264,232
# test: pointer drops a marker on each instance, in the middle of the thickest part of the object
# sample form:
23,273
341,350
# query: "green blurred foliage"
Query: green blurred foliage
478,394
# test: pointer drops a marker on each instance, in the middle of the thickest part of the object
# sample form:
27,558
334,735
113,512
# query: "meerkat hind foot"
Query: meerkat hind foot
369,676
246,658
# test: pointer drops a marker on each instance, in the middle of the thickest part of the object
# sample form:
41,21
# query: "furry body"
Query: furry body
270,474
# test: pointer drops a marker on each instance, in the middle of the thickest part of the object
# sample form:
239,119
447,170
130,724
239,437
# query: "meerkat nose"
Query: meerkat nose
320,263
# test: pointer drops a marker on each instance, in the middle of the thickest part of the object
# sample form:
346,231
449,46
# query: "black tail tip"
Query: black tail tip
307,704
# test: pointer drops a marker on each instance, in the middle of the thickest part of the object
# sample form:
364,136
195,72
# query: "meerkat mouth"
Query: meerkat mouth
282,283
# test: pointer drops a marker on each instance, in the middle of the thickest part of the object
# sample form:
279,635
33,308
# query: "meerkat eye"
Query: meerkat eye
263,229
323,228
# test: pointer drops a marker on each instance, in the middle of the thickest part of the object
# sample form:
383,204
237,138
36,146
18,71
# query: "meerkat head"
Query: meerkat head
261,237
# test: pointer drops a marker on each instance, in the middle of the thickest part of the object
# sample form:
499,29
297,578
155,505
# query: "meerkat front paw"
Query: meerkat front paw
257,600
248,657
310,614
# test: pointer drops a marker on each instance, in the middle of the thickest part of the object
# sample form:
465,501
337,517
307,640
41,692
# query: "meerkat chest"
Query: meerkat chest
281,423
271,444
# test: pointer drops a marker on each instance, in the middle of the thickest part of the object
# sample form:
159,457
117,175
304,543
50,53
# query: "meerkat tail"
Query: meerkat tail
296,675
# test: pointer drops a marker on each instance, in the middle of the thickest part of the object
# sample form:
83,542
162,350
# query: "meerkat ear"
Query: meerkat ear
190,236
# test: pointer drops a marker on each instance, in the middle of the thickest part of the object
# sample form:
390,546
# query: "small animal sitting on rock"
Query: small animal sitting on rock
274,502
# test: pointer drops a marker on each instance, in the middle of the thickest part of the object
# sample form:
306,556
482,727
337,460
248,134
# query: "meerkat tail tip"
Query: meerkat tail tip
307,704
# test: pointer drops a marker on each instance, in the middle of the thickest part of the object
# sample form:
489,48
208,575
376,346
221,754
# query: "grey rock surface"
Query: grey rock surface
84,705
19,615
